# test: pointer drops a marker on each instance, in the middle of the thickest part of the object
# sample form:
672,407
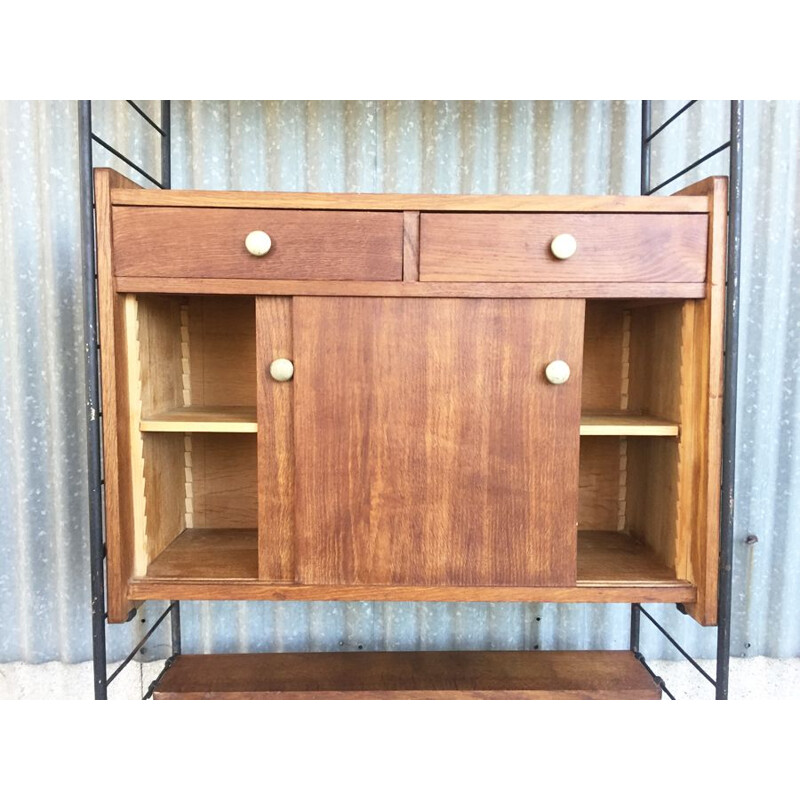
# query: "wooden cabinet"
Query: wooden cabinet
473,413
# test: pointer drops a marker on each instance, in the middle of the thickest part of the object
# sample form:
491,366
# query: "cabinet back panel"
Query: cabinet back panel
429,447
605,357
602,476
224,480
656,341
158,328
222,351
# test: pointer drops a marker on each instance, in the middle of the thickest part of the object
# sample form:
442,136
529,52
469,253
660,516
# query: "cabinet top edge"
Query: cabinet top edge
675,204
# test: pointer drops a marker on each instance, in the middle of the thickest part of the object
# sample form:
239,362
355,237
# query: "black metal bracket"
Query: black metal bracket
724,593
87,137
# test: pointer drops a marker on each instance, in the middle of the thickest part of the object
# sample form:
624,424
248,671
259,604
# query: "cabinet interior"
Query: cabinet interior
634,369
192,366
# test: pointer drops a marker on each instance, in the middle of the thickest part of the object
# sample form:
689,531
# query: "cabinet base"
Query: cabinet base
510,675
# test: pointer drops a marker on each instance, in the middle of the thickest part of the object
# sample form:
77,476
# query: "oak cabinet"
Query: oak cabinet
462,408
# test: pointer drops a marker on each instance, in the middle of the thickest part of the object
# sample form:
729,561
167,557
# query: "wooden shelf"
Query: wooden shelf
529,675
208,554
608,424
242,419
203,419
223,563
609,558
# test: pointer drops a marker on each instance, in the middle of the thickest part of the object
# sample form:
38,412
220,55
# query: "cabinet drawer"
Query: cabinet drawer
210,243
663,248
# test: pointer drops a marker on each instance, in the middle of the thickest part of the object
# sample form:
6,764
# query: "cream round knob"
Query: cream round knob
281,369
258,243
563,246
557,372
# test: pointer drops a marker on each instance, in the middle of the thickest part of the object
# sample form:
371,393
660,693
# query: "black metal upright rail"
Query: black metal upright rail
734,146
88,139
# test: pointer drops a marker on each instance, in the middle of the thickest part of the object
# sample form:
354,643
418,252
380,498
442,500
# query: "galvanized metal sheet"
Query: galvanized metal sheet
471,147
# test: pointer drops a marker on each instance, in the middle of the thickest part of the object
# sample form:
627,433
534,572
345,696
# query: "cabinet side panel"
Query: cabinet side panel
165,487
116,431
702,434
430,449
275,442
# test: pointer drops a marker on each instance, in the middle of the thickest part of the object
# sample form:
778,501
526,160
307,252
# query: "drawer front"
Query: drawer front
662,248
210,243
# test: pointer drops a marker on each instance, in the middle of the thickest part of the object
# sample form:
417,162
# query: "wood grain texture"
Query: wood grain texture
606,558
160,352
577,290
527,675
224,479
516,247
136,462
412,202
657,336
306,245
222,351
598,484
119,510
606,424
165,490
410,246
672,591
208,553
203,419
276,468
429,447
702,388
604,359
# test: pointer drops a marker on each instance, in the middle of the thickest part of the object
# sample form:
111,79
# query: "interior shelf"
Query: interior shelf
202,419
608,558
625,424
209,554
605,558
242,419
526,675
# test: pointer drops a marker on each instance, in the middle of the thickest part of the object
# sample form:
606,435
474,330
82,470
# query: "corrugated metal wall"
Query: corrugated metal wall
482,147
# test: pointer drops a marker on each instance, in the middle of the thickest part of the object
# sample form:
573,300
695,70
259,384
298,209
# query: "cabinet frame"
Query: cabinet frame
699,326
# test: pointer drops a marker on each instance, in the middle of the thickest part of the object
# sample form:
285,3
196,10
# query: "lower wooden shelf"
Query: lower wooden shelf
222,564
529,675
209,554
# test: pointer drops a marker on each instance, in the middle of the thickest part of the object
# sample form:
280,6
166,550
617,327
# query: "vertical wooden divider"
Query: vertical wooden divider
410,246
276,557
